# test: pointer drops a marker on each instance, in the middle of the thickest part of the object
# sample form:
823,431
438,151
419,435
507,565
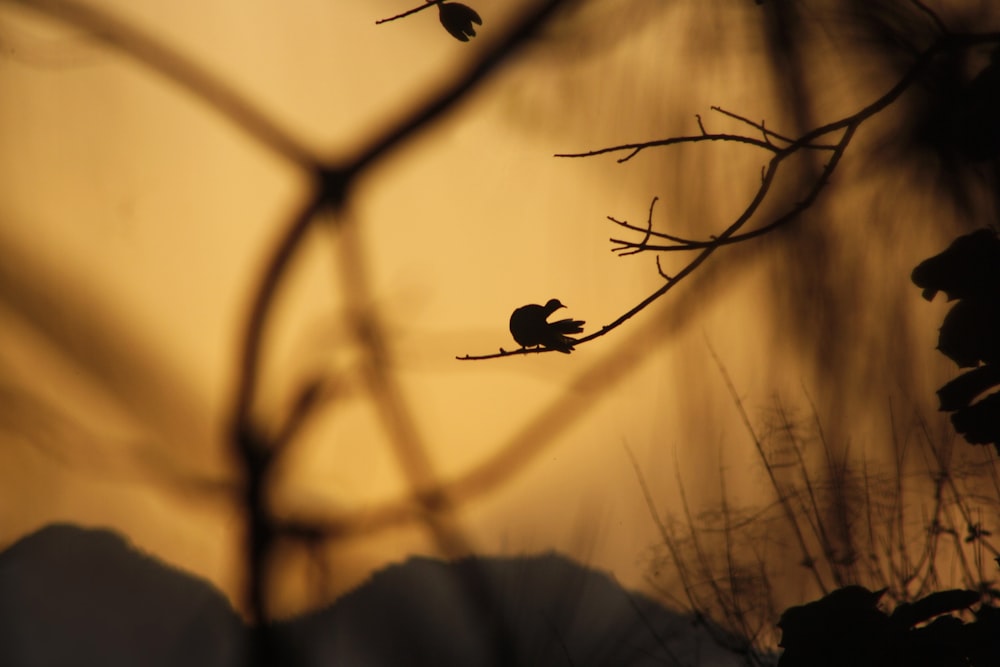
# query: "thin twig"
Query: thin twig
812,515
444,99
331,184
636,148
680,244
734,599
683,273
729,610
668,540
933,16
848,125
760,126
408,12
808,561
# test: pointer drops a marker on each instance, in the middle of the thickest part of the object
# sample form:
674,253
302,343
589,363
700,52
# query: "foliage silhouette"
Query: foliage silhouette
972,123
844,523
847,627
332,183
969,271
457,19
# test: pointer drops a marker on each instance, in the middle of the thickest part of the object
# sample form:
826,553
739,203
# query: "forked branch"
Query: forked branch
833,138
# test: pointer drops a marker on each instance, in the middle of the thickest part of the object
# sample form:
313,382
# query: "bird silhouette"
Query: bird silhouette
530,327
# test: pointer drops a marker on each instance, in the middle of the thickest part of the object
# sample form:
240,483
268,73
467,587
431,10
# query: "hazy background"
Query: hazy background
134,223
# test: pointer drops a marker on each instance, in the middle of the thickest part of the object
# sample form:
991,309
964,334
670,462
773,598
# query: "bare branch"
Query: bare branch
687,270
680,244
408,12
665,536
760,126
503,353
659,268
811,140
932,15
688,244
440,101
635,149
313,395
648,232
332,181
807,558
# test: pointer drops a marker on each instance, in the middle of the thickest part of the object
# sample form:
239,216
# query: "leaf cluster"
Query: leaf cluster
969,271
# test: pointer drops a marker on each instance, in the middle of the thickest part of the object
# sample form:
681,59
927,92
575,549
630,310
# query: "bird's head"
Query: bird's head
553,304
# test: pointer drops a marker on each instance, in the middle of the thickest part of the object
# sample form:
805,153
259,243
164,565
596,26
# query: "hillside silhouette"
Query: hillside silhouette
77,596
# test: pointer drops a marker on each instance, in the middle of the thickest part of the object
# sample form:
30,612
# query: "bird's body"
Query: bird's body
530,327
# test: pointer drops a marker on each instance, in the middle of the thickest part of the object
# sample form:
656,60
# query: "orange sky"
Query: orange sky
134,221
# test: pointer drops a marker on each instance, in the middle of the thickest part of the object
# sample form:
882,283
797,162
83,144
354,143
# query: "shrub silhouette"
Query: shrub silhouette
847,627
969,271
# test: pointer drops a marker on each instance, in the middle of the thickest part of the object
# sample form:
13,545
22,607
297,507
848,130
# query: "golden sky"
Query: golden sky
135,219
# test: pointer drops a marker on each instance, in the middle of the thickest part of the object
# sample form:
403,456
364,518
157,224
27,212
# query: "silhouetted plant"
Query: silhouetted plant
457,19
846,627
969,271
742,591
967,117
845,525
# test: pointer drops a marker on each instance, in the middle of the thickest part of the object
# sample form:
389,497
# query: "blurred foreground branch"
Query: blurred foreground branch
256,446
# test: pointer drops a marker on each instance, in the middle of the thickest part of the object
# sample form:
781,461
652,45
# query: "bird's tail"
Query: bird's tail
563,344
567,326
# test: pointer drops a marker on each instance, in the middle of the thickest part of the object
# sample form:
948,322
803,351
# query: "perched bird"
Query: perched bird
530,327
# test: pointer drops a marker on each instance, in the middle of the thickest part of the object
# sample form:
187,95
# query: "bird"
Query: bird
530,327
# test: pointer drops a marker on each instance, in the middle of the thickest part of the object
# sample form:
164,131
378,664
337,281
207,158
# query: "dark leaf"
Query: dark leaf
976,122
979,423
845,620
457,19
961,391
935,604
970,266
981,637
970,333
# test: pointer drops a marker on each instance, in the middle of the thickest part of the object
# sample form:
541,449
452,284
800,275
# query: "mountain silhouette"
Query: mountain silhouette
555,612
74,596
82,597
